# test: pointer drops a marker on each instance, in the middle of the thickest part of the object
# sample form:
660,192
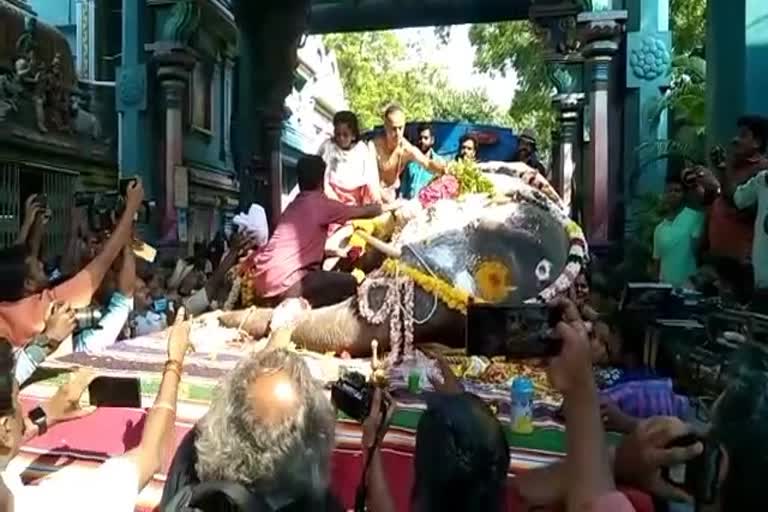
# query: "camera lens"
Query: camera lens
87,318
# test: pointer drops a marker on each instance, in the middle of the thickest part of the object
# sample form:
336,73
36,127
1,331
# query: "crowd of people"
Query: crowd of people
714,233
268,437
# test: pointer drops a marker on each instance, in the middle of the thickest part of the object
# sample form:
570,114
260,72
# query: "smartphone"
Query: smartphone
516,331
160,305
700,476
115,392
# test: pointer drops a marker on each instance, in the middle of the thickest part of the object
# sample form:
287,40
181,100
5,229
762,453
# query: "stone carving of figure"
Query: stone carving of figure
82,121
56,101
10,89
27,71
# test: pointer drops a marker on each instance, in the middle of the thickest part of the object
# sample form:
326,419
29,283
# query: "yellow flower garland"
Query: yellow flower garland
453,297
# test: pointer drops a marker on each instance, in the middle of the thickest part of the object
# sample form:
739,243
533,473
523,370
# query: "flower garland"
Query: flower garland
397,305
452,296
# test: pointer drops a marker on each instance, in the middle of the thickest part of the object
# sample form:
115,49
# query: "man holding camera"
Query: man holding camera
24,293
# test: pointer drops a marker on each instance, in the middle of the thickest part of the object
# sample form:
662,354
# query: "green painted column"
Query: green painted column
648,61
737,64
135,146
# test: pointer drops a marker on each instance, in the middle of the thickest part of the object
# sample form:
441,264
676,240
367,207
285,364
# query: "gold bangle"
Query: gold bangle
173,366
163,405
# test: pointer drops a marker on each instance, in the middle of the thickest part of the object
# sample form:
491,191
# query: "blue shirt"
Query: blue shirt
110,326
416,177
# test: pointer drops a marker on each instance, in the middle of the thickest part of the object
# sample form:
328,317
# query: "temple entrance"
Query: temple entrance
596,127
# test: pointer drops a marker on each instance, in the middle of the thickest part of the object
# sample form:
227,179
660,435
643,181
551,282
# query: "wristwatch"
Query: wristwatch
39,418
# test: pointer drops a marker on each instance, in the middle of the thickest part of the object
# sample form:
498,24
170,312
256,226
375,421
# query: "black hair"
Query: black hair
393,108
7,377
424,127
740,425
462,456
311,171
350,119
758,125
468,136
13,273
675,168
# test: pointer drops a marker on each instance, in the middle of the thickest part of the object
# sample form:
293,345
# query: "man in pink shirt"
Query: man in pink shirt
290,265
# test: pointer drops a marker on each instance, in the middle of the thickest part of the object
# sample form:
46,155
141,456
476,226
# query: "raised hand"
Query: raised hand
446,381
134,195
60,322
178,339
31,208
65,404
572,368
641,456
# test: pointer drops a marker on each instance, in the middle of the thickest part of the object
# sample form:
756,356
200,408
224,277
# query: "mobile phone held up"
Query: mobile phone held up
524,331
107,391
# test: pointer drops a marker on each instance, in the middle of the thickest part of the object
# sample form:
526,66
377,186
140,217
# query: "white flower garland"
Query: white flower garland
397,305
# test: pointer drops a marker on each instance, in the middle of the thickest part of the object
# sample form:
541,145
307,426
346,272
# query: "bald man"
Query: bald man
393,152
270,427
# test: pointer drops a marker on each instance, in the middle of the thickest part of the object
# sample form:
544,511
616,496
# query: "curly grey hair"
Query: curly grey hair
290,458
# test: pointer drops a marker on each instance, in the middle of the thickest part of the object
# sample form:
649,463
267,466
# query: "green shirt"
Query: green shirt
674,246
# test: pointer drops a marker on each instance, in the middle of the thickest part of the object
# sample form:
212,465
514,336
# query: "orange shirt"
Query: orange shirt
25,318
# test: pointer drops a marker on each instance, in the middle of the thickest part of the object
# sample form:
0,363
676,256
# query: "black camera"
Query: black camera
352,394
87,318
516,331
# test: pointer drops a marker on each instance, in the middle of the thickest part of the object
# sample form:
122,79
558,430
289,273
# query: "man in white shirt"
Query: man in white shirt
755,193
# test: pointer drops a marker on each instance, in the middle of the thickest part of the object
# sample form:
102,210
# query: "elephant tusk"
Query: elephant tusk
384,247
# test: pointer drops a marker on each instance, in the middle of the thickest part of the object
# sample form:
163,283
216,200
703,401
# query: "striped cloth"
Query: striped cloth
646,398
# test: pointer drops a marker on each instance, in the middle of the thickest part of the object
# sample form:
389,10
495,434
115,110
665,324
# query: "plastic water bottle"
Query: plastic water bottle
522,405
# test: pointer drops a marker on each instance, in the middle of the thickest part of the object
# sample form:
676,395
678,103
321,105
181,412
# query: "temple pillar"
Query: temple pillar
565,176
269,37
173,73
648,59
565,149
600,34
134,133
737,65
174,60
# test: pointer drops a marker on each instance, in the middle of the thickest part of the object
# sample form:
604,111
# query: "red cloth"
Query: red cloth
298,243
730,231
347,466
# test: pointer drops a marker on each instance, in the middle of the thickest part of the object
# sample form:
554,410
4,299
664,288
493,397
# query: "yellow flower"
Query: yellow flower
453,297
493,280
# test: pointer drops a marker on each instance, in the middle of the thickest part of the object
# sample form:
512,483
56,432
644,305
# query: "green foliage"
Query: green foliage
686,103
516,47
687,20
375,71
471,180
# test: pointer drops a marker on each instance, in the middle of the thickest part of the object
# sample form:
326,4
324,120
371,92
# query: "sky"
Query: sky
457,58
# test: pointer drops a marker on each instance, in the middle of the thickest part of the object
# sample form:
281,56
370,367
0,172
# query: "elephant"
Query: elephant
517,246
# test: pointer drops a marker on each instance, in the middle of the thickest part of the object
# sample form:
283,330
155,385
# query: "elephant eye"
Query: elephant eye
544,270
